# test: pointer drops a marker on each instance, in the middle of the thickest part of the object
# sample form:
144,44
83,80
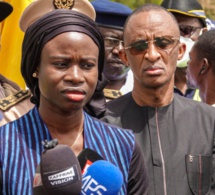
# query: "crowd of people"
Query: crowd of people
135,86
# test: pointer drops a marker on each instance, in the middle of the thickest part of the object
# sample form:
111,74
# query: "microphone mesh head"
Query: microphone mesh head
60,171
102,177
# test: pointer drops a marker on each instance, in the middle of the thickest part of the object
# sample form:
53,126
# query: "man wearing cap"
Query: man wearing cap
189,15
111,16
14,102
191,20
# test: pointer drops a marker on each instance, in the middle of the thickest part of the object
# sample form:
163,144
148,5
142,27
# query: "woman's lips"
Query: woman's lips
75,96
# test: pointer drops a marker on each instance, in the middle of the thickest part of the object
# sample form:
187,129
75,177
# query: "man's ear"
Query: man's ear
181,52
205,66
203,30
123,57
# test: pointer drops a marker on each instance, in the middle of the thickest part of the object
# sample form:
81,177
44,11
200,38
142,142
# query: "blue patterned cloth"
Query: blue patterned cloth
20,149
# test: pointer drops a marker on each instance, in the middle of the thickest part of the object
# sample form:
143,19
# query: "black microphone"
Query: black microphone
87,157
59,171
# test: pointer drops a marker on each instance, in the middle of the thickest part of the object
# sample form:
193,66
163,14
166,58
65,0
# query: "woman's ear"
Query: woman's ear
35,73
123,57
181,52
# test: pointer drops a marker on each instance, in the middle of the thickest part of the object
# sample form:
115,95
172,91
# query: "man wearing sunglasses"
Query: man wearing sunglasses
176,134
189,15
192,22
111,16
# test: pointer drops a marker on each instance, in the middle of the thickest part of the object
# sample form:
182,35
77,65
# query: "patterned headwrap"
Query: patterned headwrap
46,28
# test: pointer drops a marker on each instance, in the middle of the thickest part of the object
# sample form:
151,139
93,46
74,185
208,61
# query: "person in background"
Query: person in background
14,102
201,66
192,22
176,134
62,67
111,16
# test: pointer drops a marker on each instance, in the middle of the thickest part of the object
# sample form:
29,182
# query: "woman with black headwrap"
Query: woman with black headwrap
62,61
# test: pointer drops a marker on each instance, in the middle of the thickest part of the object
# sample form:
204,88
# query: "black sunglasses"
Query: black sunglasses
187,31
161,43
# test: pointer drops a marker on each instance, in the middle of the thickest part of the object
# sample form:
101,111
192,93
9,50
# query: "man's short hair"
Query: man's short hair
205,47
147,8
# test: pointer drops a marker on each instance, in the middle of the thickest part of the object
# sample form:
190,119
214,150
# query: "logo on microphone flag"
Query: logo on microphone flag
61,177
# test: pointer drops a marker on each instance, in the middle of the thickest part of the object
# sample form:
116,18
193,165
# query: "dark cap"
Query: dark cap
111,14
5,10
190,8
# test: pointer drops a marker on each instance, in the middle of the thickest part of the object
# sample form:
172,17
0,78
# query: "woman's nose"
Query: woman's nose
74,74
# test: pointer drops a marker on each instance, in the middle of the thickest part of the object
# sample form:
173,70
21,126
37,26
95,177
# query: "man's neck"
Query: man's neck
207,91
180,81
154,97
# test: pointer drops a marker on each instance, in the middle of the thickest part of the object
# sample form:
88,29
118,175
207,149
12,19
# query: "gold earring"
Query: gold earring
34,75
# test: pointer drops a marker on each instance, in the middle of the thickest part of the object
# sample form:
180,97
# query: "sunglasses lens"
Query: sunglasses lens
164,43
138,47
186,30
161,43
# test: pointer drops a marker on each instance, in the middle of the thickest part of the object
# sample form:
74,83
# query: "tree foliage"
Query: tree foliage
136,3
133,4
208,8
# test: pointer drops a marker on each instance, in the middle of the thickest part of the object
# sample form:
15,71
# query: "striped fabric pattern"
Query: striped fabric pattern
21,146
112,143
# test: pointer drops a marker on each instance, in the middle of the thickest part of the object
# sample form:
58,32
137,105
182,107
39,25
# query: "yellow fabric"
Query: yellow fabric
11,43
197,96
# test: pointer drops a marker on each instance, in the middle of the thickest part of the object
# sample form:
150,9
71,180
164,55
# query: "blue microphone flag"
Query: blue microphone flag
103,178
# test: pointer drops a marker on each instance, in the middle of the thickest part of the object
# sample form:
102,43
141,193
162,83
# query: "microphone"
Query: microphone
87,157
102,178
59,171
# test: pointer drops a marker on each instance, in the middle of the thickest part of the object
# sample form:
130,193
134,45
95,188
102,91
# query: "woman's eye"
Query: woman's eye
61,64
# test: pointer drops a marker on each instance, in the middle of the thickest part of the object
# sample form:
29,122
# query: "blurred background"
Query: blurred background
208,5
